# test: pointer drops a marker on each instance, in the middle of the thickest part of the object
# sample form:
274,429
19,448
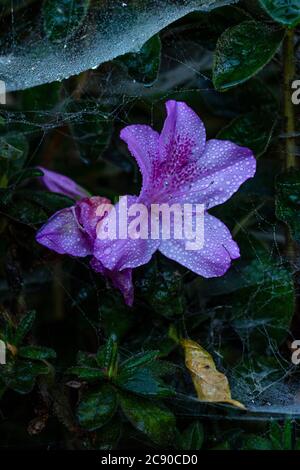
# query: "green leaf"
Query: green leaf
63,17
143,66
27,173
90,374
152,419
142,381
253,442
162,289
13,146
264,302
288,200
20,376
253,130
287,435
276,435
13,153
50,202
117,318
41,98
34,207
24,327
85,359
192,438
238,57
286,12
108,436
253,95
97,408
24,212
91,130
108,30
107,356
139,360
260,300
39,353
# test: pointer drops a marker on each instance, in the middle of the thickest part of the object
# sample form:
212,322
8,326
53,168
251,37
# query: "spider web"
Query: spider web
106,35
110,29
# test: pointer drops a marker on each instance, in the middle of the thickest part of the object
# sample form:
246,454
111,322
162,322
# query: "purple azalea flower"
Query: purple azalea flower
72,231
61,184
180,166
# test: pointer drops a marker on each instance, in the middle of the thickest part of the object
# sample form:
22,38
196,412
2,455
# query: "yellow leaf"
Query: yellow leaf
210,384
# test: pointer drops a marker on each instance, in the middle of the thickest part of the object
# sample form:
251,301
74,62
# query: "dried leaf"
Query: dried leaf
210,384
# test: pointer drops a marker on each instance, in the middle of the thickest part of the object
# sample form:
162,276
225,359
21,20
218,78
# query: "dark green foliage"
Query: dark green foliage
62,18
144,65
253,130
238,56
83,370
287,13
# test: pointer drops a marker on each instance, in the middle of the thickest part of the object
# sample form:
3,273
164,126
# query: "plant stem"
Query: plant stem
289,113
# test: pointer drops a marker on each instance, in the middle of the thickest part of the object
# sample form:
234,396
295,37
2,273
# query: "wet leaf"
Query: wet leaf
108,436
109,30
97,408
108,356
25,212
25,174
41,98
24,327
238,57
90,374
153,419
13,146
253,442
285,12
50,202
252,130
260,300
142,381
20,376
40,353
210,384
143,66
192,438
139,360
163,290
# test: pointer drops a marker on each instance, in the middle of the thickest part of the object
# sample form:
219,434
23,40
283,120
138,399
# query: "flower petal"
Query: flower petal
63,234
183,135
88,212
214,258
119,254
142,143
61,184
121,280
223,167
181,143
